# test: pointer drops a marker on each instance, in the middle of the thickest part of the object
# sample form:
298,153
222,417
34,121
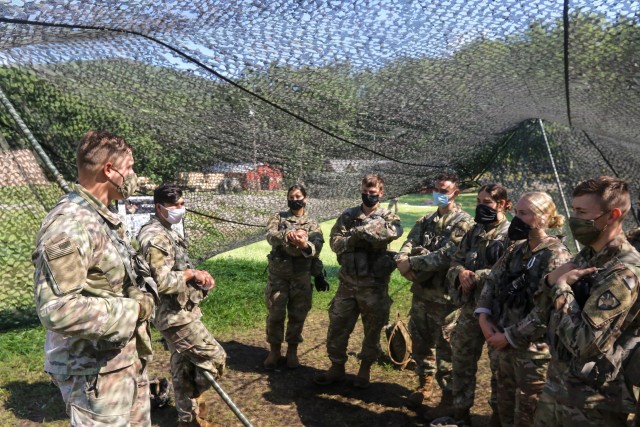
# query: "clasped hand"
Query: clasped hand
404,267
204,280
298,238
467,280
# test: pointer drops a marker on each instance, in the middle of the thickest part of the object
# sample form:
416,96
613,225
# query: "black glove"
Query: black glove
321,283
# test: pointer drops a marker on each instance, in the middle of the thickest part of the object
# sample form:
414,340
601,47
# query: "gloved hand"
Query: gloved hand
321,283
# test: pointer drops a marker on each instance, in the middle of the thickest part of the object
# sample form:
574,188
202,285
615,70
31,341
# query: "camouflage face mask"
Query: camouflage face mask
129,184
585,230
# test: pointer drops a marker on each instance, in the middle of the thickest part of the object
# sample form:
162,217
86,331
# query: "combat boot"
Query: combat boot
363,380
198,422
437,412
462,415
446,399
494,421
204,423
422,393
271,362
292,356
202,407
335,373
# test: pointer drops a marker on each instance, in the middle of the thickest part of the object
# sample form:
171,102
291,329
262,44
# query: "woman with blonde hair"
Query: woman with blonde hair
515,304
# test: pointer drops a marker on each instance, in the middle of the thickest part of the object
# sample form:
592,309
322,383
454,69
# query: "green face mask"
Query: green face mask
129,184
584,230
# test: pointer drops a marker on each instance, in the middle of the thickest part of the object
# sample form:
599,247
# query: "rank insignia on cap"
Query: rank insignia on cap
608,301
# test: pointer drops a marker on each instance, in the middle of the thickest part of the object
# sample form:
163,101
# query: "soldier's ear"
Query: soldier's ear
615,213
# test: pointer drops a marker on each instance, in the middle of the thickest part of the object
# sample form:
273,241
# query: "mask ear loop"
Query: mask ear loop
166,216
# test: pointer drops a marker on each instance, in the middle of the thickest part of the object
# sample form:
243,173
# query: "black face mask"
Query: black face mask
296,205
370,200
485,214
518,229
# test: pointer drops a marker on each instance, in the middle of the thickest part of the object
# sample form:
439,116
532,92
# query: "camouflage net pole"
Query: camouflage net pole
245,422
34,143
556,176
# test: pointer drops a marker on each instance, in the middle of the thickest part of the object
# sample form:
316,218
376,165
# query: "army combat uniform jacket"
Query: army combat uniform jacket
80,287
431,243
591,341
166,252
360,242
514,297
633,236
479,250
285,258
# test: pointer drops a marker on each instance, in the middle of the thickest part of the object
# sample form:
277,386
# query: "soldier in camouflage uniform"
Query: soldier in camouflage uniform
86,296
425,258
594,327
360,238
480,248
181,290
633,235
296,242
514,307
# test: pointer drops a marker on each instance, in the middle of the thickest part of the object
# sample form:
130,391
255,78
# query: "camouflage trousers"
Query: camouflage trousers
467,341
371,302
521,379
193,349
430,325
112,399
287,296
550,413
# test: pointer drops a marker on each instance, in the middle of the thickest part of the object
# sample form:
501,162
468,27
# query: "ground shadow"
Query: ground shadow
298,399
35,401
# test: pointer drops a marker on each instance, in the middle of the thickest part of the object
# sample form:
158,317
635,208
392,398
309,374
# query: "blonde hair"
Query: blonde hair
95,148
543,207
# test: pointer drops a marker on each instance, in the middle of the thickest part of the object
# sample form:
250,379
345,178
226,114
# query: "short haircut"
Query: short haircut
449,176
373,180
612,192
297,187
167,193
96,147
497,193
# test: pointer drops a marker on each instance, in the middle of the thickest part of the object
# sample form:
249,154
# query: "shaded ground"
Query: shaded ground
290,398
280,398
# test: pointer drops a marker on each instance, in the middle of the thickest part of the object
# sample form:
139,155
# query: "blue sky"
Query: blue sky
232,36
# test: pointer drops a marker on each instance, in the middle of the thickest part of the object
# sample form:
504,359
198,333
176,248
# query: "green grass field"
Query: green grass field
237,303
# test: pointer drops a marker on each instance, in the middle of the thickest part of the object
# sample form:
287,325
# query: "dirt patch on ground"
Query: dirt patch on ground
288,397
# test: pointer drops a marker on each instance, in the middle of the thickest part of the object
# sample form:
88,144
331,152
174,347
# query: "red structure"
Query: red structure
251,177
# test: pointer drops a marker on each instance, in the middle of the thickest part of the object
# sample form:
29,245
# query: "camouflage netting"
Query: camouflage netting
237,100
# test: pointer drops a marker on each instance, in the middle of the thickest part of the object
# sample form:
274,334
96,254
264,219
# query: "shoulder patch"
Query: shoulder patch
63,260
59,246
607,301
630,282
604,305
